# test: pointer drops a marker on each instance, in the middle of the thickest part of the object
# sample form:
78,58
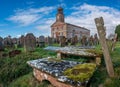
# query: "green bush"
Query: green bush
98,77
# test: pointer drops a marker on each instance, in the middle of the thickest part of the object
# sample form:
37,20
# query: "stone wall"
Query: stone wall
77,31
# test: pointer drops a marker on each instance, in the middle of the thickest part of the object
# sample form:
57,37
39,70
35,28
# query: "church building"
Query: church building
61,28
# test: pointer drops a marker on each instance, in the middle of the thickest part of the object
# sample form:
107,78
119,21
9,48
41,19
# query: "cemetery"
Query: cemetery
60,62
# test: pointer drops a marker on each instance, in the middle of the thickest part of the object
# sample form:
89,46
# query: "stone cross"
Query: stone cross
101,32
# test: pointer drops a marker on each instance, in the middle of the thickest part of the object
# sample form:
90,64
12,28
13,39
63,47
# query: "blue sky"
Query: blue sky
19,17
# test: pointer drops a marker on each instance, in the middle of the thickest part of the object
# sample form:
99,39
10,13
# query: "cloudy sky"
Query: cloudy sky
18,17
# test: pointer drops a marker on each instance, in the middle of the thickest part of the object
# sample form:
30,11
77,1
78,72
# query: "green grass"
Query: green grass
101,76
15,72
28,81
15,67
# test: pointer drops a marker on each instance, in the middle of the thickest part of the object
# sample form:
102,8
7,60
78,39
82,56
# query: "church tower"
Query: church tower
60,15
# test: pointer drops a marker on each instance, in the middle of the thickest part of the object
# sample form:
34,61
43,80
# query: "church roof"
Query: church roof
55,24
77,26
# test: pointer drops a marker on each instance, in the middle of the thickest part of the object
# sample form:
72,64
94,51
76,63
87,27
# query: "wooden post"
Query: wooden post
101,31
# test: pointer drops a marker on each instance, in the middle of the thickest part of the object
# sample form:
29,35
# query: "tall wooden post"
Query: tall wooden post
102,36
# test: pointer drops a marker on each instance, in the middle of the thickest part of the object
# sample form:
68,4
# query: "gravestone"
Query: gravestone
49,41
102,36
91,41
83,40
41,41
8,42
114,42
21,41
1,44
30,42
96,41
14,41
62,40
74,40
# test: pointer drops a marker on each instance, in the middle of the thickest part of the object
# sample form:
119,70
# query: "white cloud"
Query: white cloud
82,15
29,16
24,19
44,28
85,14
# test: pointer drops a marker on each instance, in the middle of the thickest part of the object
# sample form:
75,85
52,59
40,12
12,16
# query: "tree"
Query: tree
117,30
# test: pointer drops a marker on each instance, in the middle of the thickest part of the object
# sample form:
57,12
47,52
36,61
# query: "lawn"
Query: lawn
15,72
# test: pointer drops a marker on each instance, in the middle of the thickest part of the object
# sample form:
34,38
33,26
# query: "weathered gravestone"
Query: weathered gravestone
102,36
96,41
1,44
74,40
62,41
8,42
21,41
114,41
84,40
30,42
91,41
14,41
41,41
49,41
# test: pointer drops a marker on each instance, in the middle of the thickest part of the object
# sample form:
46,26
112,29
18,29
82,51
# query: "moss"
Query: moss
95,51
80,72
54,60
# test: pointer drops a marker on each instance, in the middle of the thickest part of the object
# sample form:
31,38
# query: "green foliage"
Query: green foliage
117,30
112,82
96,51
98,77
28,81
101,76
14,67
81,72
